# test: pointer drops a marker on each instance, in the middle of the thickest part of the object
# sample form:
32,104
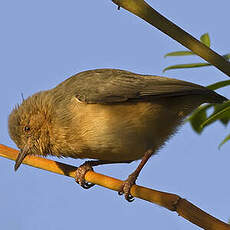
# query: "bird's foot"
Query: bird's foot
126,187
80,175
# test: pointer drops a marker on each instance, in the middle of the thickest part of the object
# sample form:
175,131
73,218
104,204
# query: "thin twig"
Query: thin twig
146,12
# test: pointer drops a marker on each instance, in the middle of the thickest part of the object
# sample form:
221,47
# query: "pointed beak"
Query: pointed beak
21,156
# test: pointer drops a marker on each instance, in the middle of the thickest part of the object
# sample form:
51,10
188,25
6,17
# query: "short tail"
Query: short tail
213,97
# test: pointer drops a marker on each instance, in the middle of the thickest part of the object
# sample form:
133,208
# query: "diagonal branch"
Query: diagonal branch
146,12
170,201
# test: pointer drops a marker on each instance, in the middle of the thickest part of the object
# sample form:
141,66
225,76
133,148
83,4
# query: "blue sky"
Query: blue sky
44,42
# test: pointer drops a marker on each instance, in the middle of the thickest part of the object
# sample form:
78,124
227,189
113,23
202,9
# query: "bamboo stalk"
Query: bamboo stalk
168,200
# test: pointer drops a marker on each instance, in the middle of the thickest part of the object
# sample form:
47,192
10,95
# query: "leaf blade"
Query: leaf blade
205,39
186,66
218,85
225,107
179,53
227,138
198,117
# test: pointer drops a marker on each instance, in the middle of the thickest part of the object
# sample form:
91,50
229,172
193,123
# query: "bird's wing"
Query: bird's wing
114,86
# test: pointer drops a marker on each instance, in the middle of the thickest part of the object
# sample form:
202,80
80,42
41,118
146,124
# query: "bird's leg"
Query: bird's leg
88,166
130,181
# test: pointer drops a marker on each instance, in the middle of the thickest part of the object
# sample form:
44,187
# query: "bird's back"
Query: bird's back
113,86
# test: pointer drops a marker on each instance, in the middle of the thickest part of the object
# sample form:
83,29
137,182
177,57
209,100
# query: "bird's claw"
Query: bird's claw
86,185
80,176
126,187
128,196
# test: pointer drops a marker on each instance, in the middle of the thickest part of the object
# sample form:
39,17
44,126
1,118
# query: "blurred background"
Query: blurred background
44,42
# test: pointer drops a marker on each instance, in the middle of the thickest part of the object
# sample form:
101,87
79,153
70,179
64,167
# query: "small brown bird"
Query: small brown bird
110,115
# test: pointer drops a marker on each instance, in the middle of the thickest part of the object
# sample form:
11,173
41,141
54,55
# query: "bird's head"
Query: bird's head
28,126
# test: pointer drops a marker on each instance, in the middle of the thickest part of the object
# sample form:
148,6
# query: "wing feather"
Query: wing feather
114,86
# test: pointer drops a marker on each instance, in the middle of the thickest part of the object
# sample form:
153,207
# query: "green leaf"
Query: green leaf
224,141
226,56
223,108
225,117
225,120
198,117
192,65
179,53
218,85
185,66
205,39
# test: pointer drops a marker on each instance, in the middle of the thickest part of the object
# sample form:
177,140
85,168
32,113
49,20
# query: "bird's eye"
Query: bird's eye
27,128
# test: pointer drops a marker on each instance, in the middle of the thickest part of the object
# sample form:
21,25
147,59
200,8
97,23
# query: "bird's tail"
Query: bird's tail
213,97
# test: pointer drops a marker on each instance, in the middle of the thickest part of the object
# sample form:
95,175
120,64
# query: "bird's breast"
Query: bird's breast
117,132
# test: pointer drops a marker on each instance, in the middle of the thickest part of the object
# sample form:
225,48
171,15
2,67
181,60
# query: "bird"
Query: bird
106,116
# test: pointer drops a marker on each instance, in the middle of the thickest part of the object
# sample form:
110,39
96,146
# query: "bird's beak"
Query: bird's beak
22,154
